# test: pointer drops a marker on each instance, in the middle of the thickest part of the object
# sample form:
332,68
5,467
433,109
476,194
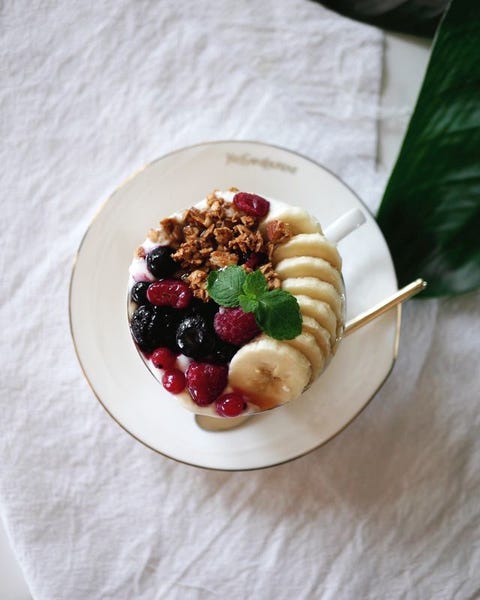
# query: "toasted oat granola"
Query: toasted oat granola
218,236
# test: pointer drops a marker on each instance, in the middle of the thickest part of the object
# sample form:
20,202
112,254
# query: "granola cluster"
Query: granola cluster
218,236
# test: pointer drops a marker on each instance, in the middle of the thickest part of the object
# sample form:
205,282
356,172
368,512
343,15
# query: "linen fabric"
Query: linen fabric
91,91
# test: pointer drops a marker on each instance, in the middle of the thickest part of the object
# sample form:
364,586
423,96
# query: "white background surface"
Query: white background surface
405,61
387,509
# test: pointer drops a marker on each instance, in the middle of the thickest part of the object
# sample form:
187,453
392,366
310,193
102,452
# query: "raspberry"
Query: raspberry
205,381
174,381
230,405
169,292
253,205
235,326
163,358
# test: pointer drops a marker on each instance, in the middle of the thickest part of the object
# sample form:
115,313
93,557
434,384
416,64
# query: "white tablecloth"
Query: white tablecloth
90,91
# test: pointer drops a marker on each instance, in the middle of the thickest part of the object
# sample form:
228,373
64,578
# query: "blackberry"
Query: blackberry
160,262
139,326
139,292
154,326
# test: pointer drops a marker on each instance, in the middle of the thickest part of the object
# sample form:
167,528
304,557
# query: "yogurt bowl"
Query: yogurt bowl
116,373
237,304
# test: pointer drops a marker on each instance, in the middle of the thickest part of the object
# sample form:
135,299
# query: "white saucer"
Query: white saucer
116,372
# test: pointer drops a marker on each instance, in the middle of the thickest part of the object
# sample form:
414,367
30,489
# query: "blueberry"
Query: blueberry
222,352
206,309
139,292
163,327
154,326
160,262
195,336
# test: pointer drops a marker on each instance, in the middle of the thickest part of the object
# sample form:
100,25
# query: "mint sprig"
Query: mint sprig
255,284
278,314
225,286
276,311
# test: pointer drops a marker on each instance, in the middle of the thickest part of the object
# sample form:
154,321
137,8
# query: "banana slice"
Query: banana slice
321,335
270,372
306,344
316,289
308,244
321,312
309,266
298,219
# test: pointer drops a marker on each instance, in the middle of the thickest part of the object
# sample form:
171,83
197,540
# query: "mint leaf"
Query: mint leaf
255,284
225,286
248,304
276,311
278,315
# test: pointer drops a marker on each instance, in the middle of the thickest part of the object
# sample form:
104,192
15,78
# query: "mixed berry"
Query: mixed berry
230,405
169,322
174,381
251,204
160,262
169,292
235,326
206,381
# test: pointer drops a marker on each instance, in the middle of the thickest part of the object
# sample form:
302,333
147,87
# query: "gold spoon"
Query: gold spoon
222,424
397,298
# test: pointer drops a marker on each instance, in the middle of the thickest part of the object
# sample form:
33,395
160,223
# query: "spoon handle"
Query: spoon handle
369,315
